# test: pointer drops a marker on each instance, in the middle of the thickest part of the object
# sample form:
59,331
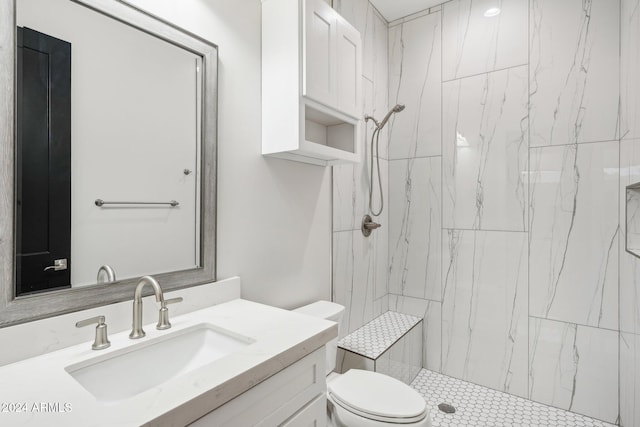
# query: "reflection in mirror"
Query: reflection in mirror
103,101
106,274
105,111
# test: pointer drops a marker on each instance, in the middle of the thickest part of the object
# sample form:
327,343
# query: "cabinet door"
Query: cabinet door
319,73
349,69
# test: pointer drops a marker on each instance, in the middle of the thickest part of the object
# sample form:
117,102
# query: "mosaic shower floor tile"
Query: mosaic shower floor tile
478,406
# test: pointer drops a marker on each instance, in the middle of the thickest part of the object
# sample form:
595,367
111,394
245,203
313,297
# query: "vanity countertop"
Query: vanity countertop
38,391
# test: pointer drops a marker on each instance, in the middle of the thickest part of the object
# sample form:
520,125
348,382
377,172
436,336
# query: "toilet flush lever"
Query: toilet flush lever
101,341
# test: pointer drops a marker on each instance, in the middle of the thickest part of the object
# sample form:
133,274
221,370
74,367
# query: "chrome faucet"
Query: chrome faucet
136,330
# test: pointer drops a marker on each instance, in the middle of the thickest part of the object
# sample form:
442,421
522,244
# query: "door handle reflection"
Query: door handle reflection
59,264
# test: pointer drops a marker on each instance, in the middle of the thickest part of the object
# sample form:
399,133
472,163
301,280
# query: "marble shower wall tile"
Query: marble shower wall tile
351,182
630,69
415,227
431,312
403,360
629,380
351,194
485,150
575,368
574,233
629,264
415,81
359,279
474,44
381,305
484,308
574,77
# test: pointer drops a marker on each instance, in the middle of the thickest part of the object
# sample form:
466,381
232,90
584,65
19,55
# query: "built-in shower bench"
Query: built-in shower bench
391,344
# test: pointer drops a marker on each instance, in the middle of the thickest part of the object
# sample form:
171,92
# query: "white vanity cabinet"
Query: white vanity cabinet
295,396
311,83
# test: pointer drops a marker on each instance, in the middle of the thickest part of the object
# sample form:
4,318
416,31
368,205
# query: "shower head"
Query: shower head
396,109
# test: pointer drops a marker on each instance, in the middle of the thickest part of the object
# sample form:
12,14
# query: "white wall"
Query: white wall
274,217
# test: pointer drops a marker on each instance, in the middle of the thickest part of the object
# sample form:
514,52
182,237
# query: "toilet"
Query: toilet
360,398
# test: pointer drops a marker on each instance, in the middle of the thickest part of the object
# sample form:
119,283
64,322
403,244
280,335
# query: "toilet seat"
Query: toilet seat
377,397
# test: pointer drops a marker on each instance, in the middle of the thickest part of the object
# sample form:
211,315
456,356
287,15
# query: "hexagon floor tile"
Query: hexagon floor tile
478,406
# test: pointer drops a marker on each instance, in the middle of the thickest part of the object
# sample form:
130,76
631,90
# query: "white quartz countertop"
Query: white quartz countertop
39,392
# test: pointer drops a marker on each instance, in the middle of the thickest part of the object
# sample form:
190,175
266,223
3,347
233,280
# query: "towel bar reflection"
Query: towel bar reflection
100,202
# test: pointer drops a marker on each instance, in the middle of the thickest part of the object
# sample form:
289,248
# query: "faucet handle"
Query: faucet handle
163,315
101,340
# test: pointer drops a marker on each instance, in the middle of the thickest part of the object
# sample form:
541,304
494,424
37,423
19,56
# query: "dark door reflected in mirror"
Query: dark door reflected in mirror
43,163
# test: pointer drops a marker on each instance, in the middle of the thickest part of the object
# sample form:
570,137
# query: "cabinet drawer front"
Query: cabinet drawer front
275,399
312,415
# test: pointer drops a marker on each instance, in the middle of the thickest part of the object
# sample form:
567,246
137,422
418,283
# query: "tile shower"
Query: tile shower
504,196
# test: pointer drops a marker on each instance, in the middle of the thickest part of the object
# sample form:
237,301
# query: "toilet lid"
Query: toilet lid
377,396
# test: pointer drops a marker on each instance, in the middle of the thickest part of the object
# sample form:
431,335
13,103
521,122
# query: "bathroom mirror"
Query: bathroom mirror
125,108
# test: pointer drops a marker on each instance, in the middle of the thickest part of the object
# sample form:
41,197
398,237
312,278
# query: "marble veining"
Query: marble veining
574,368
415,81
474,44
630,69
360,266
415,227
574,233
484,308
431,313
485,151
359,275
351,181
574,78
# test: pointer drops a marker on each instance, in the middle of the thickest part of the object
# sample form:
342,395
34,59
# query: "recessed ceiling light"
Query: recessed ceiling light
491,12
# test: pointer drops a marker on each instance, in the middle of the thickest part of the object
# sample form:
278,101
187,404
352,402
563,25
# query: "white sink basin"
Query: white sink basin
142,366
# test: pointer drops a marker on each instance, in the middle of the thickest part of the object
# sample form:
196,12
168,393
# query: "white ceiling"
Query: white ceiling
395,9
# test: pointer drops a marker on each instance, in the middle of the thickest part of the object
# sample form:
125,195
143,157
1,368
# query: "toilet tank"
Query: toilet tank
329,311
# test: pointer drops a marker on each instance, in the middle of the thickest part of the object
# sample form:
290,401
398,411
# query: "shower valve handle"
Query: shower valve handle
368,225
372,225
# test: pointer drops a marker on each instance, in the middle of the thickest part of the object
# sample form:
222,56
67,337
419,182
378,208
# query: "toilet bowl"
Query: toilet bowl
361,398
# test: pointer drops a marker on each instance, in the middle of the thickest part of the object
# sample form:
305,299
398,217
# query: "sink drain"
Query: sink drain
446,408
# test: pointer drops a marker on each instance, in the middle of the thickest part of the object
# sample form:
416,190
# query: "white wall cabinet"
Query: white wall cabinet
311,83
294,396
